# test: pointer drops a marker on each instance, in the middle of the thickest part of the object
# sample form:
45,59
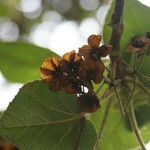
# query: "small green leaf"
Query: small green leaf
136,22
20,62
116,133
42,119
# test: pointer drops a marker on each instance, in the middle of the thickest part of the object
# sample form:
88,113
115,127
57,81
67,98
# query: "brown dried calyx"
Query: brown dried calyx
76,71
138,44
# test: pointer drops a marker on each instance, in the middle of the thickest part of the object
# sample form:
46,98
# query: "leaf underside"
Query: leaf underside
40,119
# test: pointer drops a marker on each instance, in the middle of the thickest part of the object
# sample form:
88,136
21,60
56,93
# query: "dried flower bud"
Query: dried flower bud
88,102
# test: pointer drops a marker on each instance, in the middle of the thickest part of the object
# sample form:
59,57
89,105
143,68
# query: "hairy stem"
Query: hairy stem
117,25
117,29
106,93
134,85
103,124
119,101
131,96
82,124
135,128
100,87
140,62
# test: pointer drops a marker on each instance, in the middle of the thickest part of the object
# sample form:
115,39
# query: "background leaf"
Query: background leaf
136,22
20,62
42,119
117,132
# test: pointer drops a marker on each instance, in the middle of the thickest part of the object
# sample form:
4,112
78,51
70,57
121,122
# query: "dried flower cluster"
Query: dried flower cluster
76,71
138,44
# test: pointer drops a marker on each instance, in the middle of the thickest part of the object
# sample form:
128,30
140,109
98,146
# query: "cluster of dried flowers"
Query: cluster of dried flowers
76,71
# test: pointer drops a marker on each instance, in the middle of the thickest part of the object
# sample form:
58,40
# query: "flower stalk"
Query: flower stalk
135,128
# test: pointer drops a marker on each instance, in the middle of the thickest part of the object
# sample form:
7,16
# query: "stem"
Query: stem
142,87
142,57
135,128
117,29
117,25
134,85
103,124
106,93
131,95
119,101
134,61
82,124
100,87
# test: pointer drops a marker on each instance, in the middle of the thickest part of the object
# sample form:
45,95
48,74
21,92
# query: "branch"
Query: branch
117,29
117,25
135,128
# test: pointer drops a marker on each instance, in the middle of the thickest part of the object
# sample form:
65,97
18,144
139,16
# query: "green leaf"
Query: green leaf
42,119
116,133
135,20
20,62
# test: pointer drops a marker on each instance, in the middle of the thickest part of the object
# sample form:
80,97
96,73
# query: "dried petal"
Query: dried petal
89,102
105,50
84,52
136,45
91,71
73,86
71,56
51,74
94,40
70,63
99,72
146,39
45,73
47,64
131,48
